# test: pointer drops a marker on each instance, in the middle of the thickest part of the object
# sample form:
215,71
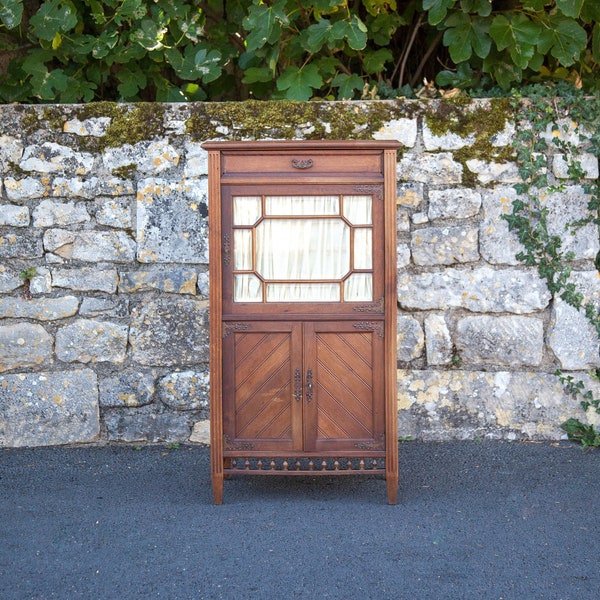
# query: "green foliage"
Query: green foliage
176,50
529,216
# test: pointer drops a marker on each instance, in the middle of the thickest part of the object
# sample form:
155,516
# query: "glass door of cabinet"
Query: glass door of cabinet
282,249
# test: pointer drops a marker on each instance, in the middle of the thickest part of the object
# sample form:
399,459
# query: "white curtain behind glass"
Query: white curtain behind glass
311,249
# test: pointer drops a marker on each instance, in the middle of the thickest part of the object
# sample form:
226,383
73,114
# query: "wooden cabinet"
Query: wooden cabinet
303,309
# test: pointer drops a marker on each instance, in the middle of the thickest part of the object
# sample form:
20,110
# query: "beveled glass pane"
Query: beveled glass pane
358,209
363,248
302,205
242,249
307,249
303,292
246,210
247,288
359,288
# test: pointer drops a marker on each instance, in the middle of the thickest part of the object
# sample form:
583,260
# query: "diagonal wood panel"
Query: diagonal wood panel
263,391
345,385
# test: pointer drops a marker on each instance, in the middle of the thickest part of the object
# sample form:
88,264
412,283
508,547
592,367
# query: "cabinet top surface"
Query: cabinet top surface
303,145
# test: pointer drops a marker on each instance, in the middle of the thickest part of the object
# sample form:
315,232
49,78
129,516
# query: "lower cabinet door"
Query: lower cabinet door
293,387
262,402
344,406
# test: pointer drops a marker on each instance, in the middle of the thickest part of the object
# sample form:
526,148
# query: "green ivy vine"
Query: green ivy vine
544,108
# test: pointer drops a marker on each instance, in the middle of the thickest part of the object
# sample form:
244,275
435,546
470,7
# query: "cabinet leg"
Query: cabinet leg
392,488
217,487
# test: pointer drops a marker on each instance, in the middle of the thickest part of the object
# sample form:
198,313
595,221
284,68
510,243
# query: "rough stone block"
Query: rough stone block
27,188
179,280
114,213
75,187
11,150
479,290
20,244
434,169
86,279
403,130
94,126
196,160
49,213
14,216
201,432
497,244
141,425
107,307
587,162
456,203
203,286
447,141
489,171
410,194
172,221
409,338
170,332
148,157
90,246
92,341
45,409
50,157
40,309
442,404
567,206
505,341
185,390
127,389
438,340
9,280
445,245
24,345
571,336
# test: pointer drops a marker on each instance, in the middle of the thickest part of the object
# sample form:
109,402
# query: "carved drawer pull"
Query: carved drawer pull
302,164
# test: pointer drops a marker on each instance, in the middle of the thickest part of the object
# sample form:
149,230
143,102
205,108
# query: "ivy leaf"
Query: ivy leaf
482,7
357,34
298,84
570,8
78,90
567,40
132,81
149,35
465,36
264,24
354,32
374,62
517,30
347,84
257,75
317,35
11,13
437,10
53,16
46,85
208,64
129,9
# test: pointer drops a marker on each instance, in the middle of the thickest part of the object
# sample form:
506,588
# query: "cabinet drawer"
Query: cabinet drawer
300,163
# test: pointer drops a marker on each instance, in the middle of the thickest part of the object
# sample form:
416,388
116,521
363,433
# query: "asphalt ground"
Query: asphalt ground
488,520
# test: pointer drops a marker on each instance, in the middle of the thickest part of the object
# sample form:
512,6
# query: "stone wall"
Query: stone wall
108,340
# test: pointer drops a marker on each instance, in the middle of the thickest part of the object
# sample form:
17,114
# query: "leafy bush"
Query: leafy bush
171,50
